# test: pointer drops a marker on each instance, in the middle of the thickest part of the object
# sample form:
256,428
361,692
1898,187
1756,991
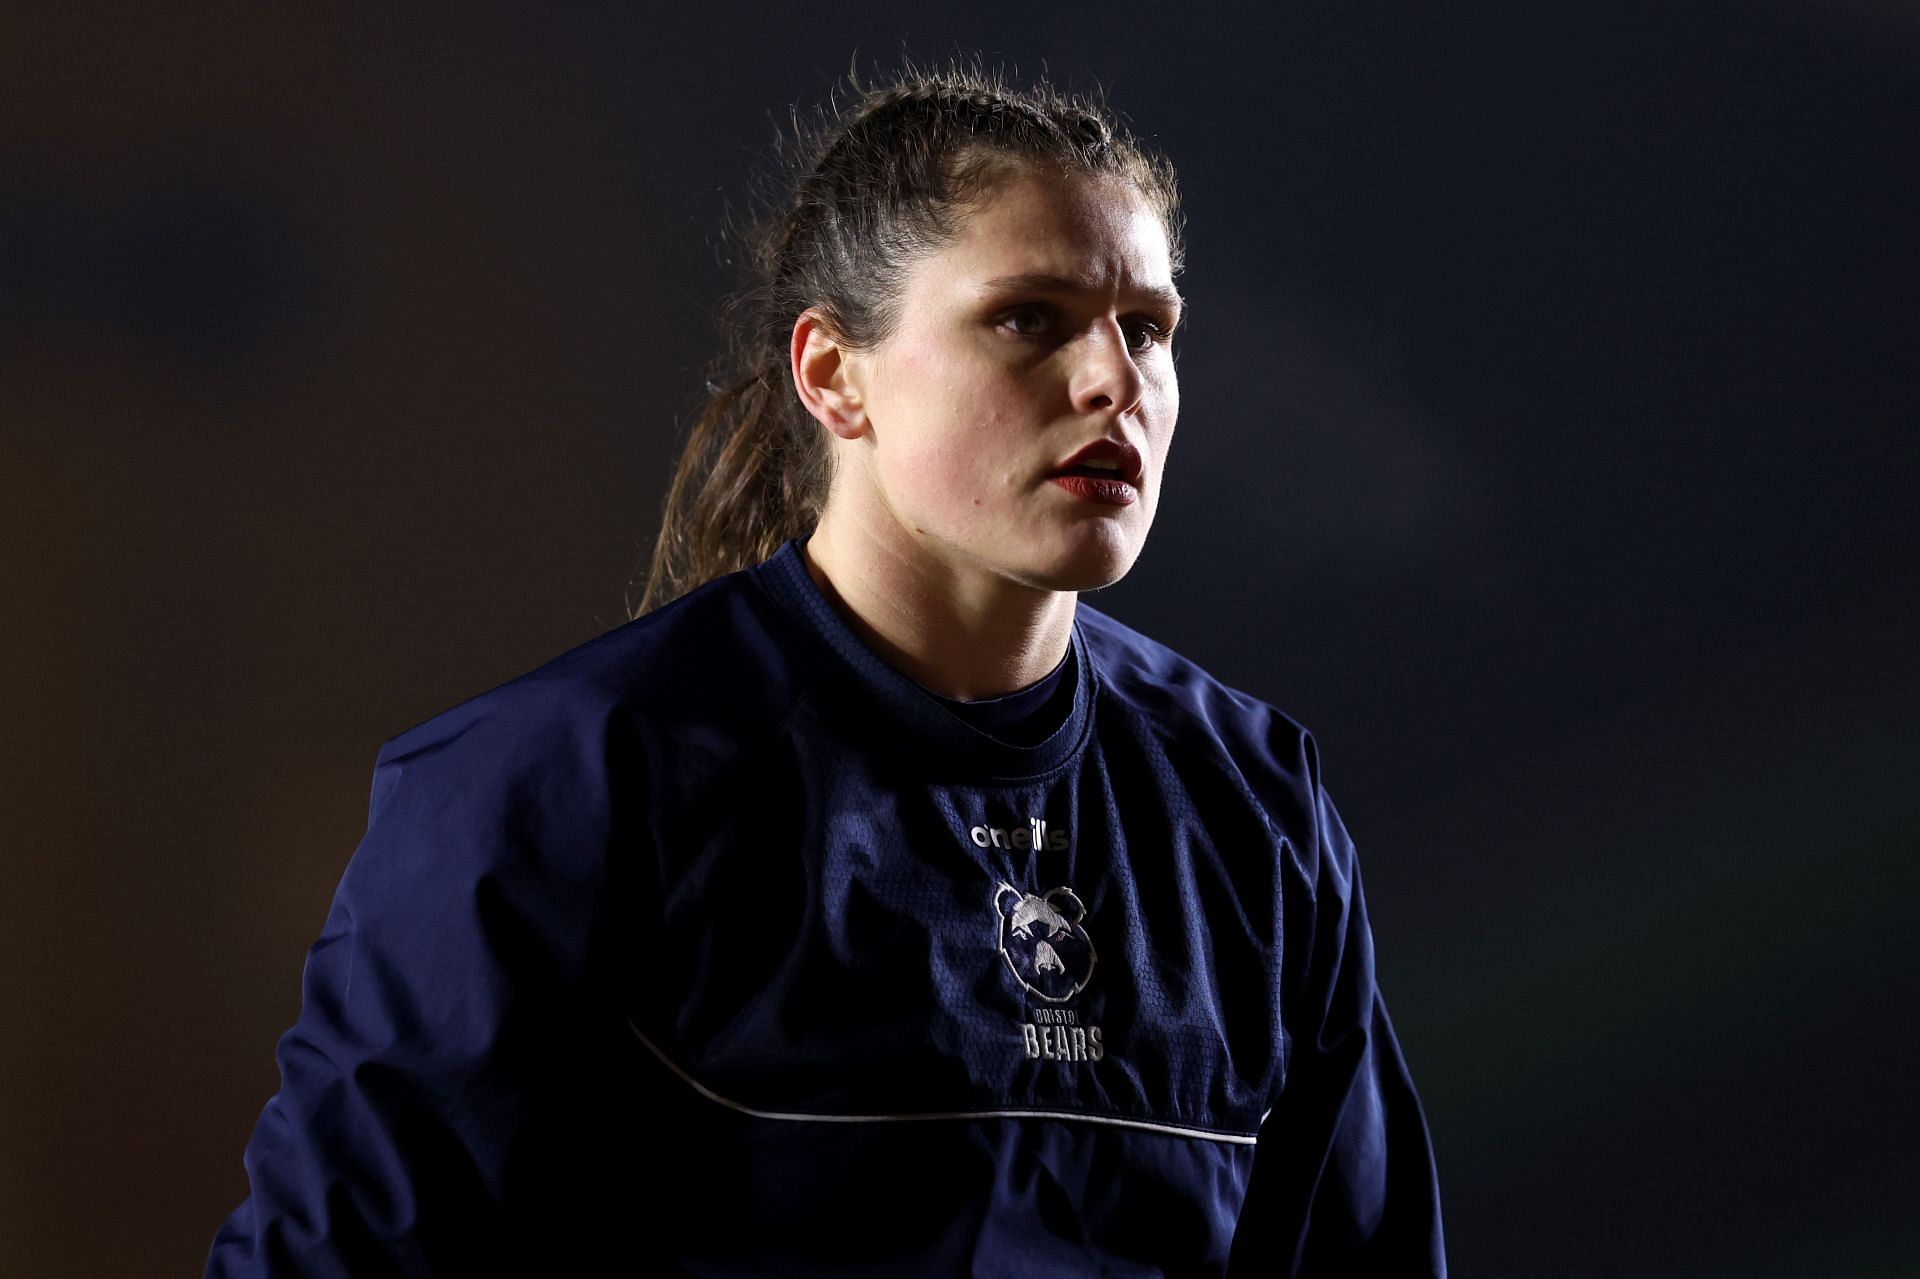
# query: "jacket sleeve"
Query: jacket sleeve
1343,1180
440,1061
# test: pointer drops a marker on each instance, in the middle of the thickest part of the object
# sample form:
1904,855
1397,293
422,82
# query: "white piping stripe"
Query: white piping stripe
1234,1138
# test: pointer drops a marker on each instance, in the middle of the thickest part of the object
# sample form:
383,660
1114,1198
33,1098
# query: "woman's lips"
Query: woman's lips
1094,488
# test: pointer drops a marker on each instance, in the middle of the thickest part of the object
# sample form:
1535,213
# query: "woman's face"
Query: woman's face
1044,327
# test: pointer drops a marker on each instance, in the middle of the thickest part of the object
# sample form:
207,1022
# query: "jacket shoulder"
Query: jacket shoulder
1273,753
711,666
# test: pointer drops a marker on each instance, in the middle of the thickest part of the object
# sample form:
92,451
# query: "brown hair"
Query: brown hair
872,187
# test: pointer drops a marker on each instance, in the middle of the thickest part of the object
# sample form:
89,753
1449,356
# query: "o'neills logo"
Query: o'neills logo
1034,835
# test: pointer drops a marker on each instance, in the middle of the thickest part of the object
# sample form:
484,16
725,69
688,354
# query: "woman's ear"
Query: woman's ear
824,374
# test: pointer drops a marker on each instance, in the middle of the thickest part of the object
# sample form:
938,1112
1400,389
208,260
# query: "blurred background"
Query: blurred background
1548,446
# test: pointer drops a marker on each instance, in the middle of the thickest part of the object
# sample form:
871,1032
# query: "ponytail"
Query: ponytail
750,477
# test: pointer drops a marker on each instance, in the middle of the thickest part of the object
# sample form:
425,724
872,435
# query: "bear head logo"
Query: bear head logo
1042,941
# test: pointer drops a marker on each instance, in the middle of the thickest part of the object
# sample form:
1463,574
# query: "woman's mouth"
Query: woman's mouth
1096,484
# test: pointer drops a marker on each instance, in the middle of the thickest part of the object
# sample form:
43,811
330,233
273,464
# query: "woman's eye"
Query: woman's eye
1035,321
1150,333
1026,314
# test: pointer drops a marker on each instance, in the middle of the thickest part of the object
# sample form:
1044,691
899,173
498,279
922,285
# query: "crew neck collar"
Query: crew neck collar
946,738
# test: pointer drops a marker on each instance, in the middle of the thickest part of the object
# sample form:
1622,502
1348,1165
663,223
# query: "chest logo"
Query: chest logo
1043,942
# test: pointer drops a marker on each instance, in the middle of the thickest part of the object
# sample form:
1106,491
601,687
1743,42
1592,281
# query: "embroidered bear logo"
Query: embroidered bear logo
1043,942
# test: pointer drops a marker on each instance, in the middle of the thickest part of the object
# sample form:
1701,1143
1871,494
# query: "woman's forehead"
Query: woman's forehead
1092,233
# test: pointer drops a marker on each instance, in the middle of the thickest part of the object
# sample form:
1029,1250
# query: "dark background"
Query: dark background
1547,446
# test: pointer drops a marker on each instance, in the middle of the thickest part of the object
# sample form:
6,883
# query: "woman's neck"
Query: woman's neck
964,635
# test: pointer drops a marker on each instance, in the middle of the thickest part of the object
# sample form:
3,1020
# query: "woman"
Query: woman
869,904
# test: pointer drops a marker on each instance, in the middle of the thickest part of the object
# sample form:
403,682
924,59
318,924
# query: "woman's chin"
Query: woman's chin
1088,563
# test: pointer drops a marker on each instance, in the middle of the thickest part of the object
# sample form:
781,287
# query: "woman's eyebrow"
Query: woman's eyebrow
1046,282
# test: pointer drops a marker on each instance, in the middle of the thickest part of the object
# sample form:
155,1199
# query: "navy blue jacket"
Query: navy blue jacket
718,946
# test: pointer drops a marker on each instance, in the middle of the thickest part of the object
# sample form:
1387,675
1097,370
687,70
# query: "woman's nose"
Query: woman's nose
1107,377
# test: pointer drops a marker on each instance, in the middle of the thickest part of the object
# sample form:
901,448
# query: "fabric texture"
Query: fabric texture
718,946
